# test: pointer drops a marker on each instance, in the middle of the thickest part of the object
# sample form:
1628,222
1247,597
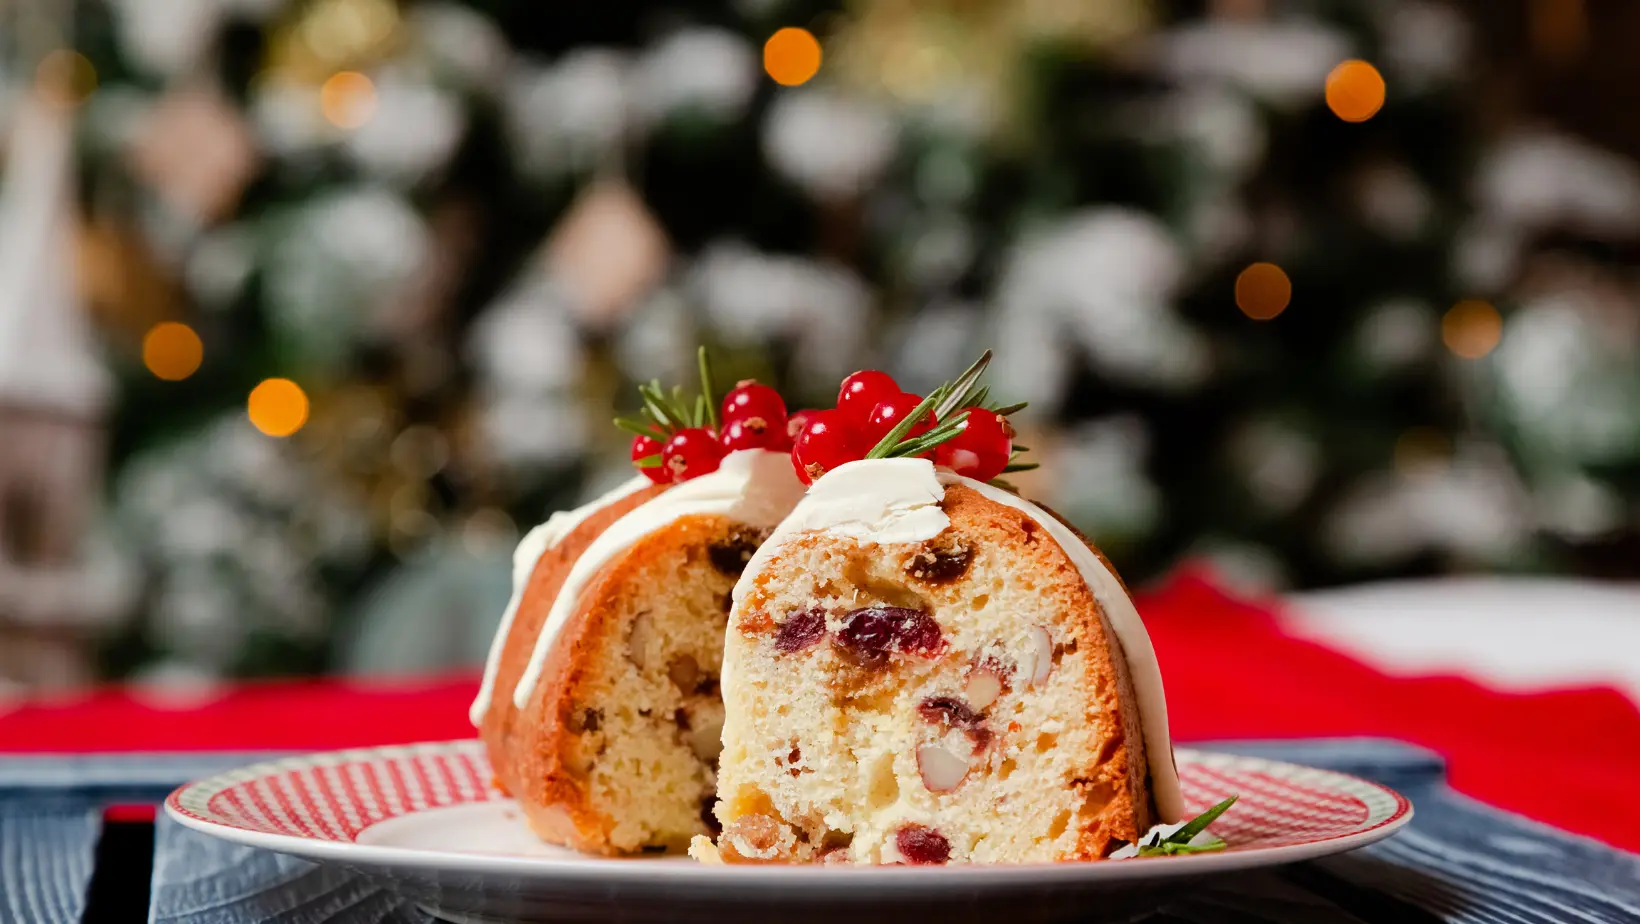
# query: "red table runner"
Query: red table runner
1570,758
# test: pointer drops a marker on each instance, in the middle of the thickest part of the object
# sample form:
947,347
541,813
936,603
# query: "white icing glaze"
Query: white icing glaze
534,545
754,487
897,501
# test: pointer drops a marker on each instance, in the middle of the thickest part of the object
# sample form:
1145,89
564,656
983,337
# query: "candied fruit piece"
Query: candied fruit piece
755,838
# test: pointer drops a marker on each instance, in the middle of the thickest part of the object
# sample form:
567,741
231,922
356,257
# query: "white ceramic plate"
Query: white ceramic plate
425,818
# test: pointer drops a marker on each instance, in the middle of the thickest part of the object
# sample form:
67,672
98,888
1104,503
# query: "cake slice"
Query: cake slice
600,708
923,668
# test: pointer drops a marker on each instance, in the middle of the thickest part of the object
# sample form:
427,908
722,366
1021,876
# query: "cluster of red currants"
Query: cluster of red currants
869,405
754,417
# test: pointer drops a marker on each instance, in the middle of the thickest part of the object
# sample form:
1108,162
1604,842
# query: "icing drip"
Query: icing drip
535,544
754,487
897,501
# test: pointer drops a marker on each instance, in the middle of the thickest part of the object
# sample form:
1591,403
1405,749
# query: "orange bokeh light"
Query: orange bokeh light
347,99
1355,91
172,351
791,56
1263,291
278,407
67,76
1472,328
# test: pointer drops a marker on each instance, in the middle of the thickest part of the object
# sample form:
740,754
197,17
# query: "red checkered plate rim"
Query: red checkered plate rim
317,806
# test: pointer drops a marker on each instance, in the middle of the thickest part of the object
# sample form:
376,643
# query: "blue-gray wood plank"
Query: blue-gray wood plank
1459,861
45,862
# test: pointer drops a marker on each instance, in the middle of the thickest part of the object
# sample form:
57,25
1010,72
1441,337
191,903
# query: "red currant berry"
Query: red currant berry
861,392
752,433
825,443
981,448
754,399
887,415
643,447
692,452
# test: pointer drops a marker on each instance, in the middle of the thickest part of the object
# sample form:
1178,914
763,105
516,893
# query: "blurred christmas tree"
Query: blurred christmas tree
425,245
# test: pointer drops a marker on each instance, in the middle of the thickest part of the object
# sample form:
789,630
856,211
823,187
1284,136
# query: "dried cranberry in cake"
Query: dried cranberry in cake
981,448
922,845
642,448
825,443
861,391
940,564
752,433
887,415
752,399
869,635
692,452
800,630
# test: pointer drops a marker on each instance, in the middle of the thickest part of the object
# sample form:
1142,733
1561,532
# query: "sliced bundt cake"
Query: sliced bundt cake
924,668
600,708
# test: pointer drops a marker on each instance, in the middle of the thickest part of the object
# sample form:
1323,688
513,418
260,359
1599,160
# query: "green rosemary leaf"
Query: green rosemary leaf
1199,824
894,436
706,387
1004,484
958,387
1012,467
701,407
1171,848
1019,449
921,444
656,405
1010,409
650,461
640,427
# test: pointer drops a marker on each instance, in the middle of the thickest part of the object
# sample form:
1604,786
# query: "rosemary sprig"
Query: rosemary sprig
707,393
1179,841
949,404
666,411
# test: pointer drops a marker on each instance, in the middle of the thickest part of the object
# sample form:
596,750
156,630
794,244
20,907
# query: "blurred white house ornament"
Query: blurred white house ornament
54,390
571,116
607,251
196,151
832,145
695,71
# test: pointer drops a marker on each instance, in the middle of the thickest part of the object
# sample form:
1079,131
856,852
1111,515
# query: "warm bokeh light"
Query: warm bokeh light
347,99
1263,291
1471,328
68,75
278,407
791,56
172,351
1355,91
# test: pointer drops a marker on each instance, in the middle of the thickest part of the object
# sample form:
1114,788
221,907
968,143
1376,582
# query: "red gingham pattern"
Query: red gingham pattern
334,796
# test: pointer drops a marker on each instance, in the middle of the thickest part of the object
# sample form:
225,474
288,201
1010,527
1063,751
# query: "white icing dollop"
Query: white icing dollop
755,487
897,501
535,544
